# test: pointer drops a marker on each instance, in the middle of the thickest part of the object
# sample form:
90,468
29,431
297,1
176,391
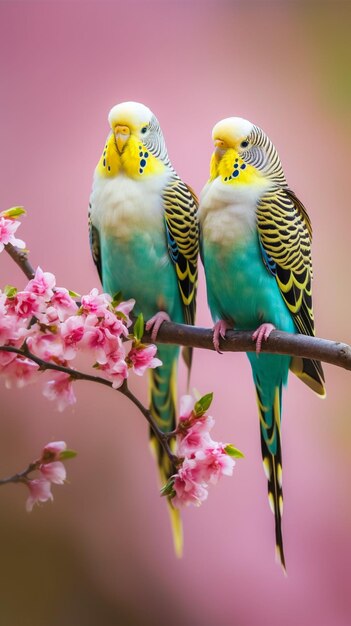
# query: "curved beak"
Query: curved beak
122,134
220,148
219,143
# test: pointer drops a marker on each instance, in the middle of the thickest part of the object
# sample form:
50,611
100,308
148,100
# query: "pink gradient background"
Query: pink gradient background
102,553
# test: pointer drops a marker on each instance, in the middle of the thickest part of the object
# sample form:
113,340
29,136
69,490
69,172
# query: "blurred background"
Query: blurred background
101,553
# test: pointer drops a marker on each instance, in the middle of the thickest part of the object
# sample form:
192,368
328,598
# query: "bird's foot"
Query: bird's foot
155,322
262,332
219,330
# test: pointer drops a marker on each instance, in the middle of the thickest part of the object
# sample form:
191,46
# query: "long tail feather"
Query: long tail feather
162,402
311,373
272,461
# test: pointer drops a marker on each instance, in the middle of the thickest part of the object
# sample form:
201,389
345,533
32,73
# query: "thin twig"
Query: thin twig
20,477
162,437
78,375
21,258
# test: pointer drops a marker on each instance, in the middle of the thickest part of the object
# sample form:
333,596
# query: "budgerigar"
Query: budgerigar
144,241
256,247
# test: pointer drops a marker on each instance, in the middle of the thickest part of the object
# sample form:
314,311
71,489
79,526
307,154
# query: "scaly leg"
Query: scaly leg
262,332
219,330
155,322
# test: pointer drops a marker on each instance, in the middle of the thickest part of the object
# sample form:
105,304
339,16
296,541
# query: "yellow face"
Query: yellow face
230,137
125,150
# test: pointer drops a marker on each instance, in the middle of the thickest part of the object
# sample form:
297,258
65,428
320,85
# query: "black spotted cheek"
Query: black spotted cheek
143,160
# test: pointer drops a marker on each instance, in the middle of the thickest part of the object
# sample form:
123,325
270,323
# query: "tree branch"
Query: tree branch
20,477
279,342
21,258
333,352
162,437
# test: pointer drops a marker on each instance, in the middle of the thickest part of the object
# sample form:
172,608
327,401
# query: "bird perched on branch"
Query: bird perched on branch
256,247
144,241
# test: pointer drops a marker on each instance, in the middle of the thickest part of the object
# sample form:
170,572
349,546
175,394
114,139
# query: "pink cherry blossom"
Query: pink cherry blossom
125,308
3,299
72,331
9,328
52,451
55,472
5,359
39,491
100,341
95,340
187,489
116,326
63,303
186,407
60,389
46,345
20,372
47,319
50,317
96,303
27,304
8,228
212,463
42,284
202,460
196,436
141,358
116,370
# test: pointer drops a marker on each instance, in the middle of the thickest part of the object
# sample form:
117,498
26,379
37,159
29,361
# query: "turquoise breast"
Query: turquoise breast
240,288
141,269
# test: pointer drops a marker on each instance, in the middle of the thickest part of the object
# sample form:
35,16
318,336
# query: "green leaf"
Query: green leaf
234,452
14,212
167,489
117,299
203,404
121,316
73,294
67,454
10,291
139,327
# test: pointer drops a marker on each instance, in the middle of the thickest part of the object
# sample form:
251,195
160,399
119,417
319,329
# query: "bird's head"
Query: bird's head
243,153
135,144
130,119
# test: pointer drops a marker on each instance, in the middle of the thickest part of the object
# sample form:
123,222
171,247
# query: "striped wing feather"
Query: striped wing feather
285,234
181,204
94,239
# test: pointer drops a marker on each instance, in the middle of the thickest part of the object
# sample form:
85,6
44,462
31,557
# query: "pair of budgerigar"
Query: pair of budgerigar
256,248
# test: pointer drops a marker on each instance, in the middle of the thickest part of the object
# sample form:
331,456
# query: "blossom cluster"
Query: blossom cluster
202,460
45,321
51,470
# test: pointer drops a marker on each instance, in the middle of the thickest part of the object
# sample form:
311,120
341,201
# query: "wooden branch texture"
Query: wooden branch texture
279,342
332,352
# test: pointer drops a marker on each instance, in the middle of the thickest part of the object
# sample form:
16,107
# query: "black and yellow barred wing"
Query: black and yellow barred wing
94,239
285,234
182,228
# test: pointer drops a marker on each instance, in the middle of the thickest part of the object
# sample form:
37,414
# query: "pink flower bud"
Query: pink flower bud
51,452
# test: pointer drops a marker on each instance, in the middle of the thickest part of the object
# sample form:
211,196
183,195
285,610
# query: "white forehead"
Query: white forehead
133,113
235,127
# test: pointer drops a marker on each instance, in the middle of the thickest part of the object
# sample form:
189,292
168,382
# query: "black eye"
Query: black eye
144,129
244,144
